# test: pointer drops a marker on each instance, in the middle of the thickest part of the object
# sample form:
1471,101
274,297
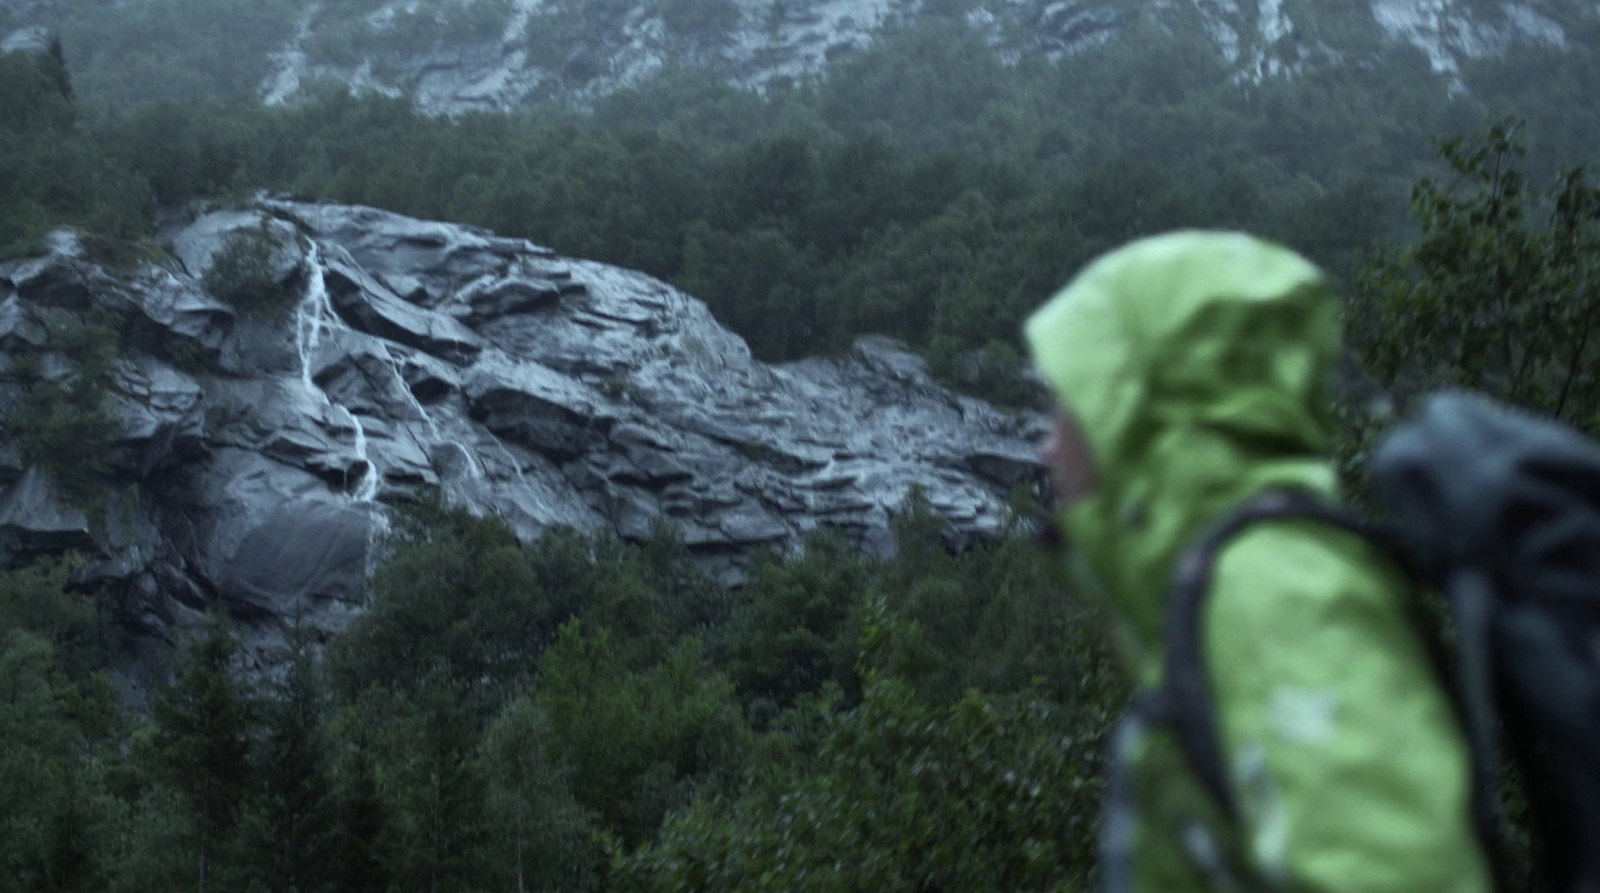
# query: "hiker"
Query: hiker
1189,371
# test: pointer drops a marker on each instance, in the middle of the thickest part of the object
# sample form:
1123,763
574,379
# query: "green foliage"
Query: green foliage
787,636
65,423
201,748
243,275
544,716
703,20
38,92
985,794
1497,293
638,743
996,371
429,780
573,37
347,34
363,840
131,53
451,581
923,190
289,831
459,752
993,619
51,172
649,594
542,839
52,795
60,827
37,601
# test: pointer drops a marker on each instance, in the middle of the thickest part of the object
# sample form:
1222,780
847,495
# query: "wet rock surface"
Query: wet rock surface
578,53
257,459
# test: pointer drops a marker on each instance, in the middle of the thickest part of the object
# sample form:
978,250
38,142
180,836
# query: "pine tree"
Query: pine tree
362,829
413,791
39,769
292,827
56,829
204,721
442,790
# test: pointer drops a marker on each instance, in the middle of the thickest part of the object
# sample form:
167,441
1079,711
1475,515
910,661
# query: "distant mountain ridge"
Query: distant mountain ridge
482,55
753,43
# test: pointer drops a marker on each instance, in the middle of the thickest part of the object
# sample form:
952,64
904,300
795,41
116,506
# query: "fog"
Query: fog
588,444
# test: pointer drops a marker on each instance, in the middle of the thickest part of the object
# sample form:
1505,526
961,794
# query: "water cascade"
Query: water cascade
314,316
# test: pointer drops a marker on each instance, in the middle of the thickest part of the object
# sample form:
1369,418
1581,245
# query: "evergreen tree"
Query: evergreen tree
48,828
56,717
637,742
457,594
435,789
291,828
360,862
67,425
203,725
789,632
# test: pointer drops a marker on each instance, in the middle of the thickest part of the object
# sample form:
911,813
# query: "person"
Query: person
1189,372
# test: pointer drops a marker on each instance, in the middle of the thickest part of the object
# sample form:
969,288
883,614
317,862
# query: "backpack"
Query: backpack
1499,512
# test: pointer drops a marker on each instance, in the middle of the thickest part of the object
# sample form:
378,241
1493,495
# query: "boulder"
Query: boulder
308,549
179,321
19,330
161,415
35,521
536,407
62,278
369,307
196,245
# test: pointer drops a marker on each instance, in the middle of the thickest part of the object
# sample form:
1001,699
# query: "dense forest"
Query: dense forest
924,189
582,713
578,714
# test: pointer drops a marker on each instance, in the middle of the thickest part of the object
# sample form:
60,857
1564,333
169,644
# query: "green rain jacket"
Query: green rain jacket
1195,363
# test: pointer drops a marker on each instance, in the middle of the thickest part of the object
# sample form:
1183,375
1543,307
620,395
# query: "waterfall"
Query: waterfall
400,380
474,467
510,459
314,316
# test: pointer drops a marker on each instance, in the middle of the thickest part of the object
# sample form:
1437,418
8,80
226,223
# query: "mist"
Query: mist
588,444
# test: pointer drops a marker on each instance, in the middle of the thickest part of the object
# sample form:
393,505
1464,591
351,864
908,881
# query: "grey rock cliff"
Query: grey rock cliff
528,52
577,52
256,460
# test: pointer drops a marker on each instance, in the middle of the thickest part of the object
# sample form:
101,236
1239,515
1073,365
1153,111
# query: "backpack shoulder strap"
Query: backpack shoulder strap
1190,707
1187,704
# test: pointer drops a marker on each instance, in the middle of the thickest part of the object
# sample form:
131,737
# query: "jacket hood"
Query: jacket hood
1195,363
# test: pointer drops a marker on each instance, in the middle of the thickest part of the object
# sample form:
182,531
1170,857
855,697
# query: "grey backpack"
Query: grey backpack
1499,512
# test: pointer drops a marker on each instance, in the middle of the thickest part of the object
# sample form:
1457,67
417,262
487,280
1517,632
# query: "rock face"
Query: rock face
32,39
257,459
576,52
1439,29
488,55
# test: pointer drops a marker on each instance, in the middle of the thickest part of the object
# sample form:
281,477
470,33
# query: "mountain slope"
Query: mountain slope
465,55
579,51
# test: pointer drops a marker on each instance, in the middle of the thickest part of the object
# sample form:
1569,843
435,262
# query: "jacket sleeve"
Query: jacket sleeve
1349,764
